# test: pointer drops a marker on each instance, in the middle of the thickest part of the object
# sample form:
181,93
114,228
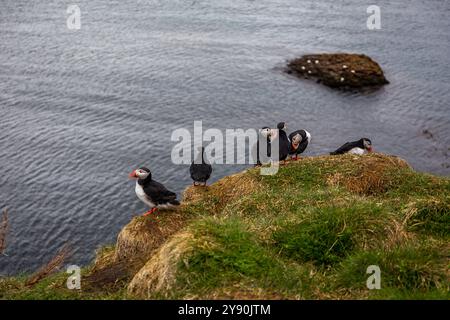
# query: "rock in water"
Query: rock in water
339,70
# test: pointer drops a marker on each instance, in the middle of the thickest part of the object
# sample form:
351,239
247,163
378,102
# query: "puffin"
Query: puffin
284,143
265,135
299,141
151,192
355,147
200,170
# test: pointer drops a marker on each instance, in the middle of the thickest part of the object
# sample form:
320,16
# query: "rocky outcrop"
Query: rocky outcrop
339,70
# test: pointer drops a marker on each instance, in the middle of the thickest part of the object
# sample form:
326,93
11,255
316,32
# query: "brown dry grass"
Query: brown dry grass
222,192
106,271
136,244
143,235
158,274
111,275
4,226
104,256
397,230
52,266
138,239
369,177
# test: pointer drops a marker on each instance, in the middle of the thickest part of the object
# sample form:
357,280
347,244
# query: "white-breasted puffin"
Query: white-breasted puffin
355,147
151,192
262,150
200,170
299,141
283,142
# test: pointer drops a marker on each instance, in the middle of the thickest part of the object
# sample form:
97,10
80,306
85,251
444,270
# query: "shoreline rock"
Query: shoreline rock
339,70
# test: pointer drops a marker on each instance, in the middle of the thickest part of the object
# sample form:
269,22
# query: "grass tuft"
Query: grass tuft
51,267
408,268
325,238
432,217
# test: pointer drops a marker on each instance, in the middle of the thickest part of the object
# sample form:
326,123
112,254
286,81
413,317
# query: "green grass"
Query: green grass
232,255
409,271
310,232
325,237
51,288
433,218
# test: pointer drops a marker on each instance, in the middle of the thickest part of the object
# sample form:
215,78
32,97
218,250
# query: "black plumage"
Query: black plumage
158,193
151,192
296,149
200,170
283,147
362,143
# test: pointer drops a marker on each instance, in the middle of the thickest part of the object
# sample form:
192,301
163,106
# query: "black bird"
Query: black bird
151,192
355,147
283,147
200,170
262,149
299,141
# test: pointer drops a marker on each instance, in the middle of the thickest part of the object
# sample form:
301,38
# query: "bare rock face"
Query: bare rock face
339,70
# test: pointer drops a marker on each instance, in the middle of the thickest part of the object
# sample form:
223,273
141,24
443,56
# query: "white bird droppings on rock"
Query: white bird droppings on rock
303,68
342,79
316,62
309,61
344,67
353,71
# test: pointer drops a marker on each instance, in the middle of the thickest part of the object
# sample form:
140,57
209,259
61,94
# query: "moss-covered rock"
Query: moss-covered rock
339,70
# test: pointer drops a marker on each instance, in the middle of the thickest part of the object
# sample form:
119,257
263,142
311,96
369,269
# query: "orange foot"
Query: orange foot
149,212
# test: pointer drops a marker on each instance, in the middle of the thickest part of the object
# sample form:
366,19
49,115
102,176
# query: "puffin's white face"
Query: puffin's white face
273,134
368,145
141,174
297,139
266,132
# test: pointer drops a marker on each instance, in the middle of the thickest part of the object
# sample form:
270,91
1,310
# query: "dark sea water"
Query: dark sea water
81,109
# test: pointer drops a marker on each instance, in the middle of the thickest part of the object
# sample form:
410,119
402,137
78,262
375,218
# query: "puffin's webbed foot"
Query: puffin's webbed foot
152,210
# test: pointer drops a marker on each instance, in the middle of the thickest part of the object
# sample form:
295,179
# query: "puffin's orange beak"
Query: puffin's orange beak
370,150
132,175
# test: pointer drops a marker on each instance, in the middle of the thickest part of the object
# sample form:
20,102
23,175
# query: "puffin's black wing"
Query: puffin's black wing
158,193
346,147
200,172
284,146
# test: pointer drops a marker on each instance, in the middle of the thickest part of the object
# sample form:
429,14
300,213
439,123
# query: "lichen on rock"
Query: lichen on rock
339,70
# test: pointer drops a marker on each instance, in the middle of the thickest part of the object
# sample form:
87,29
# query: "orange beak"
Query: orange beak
132,175
370,150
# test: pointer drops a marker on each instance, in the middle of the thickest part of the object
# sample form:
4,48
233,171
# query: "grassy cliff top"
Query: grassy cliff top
308,232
